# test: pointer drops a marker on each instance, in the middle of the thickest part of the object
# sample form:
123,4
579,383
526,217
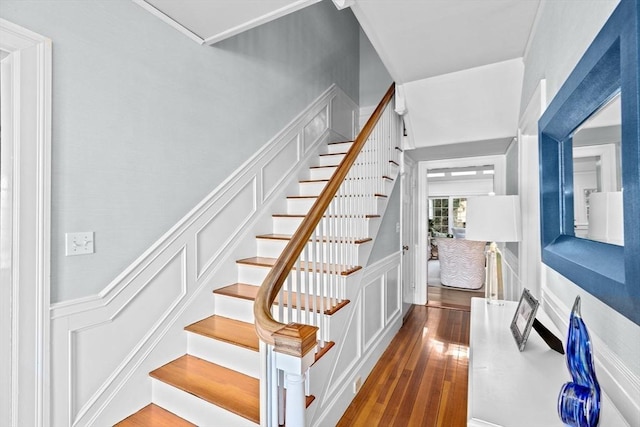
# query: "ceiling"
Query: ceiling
208,22
422,39
420,42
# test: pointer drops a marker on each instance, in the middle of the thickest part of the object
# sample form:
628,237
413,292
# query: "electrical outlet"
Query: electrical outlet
356,385
79,243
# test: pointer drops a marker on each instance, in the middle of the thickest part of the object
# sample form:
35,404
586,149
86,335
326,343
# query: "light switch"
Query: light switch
79,243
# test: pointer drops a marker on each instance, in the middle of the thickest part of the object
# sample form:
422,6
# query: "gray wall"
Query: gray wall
146,122
374,77
374,82
388,239
564,31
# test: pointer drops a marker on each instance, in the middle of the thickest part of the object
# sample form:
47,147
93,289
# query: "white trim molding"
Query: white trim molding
529,189
230,32
343,4
26,194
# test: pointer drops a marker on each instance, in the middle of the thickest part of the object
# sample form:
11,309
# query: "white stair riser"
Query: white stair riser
289,225
255,275
311,188
272,248
299,206
339,148
331,160
234,308
223,353
194,409
321,173
296,206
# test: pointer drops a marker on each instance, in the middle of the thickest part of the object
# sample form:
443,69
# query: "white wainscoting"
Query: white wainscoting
510,276
367,324
104,346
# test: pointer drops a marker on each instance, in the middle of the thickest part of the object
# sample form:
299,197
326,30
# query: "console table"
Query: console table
510,388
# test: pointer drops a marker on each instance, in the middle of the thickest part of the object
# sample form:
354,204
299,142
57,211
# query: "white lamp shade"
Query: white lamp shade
494,219
606,218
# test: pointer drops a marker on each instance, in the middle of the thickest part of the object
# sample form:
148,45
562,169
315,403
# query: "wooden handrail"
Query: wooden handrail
295,339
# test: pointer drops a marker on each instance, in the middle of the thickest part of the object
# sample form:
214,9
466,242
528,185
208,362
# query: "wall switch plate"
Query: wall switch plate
79,243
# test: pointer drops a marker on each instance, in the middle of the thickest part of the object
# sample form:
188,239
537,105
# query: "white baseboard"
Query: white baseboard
618,382
100,343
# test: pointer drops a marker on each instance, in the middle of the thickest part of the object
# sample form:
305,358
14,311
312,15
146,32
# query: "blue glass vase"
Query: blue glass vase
579,400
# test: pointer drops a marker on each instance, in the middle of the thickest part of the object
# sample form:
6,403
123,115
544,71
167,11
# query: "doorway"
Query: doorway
427,186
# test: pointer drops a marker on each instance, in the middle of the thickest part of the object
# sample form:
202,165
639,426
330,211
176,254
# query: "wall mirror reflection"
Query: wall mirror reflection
597,189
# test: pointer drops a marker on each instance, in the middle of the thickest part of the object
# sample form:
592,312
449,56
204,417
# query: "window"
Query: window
445,212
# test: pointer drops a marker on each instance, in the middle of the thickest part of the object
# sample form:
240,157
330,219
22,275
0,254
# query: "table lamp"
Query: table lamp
494,219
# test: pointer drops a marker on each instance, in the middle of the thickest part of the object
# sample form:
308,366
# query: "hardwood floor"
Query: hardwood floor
444,297
421,379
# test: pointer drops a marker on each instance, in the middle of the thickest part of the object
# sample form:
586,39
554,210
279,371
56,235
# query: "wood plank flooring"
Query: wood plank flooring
421,379
455,299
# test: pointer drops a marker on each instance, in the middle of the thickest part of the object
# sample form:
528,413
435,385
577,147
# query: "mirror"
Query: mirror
597,179
607,269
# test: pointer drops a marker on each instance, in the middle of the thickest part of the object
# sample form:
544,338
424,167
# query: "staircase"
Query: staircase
217,381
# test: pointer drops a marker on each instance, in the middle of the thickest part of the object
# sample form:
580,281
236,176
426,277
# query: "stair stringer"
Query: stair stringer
362,331
100,373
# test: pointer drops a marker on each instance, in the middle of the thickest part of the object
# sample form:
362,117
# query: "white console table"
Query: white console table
510,388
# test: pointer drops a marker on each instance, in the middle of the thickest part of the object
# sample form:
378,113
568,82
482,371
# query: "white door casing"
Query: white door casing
408,239
529,170
25,217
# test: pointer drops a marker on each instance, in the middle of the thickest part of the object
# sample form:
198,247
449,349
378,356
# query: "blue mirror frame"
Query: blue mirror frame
608,272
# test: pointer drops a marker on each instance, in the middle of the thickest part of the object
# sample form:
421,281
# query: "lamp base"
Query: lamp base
494,293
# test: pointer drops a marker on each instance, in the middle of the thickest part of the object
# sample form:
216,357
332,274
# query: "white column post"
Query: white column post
295,369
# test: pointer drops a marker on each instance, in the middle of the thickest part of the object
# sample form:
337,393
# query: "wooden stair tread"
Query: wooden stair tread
394,163
307,266
332,154
156,416
303,216
313,180
288,237
229,389
239,290
250,292
326,166
340,142
232,331
315,197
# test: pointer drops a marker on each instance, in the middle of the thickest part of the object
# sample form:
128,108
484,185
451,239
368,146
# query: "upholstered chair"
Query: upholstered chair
462,262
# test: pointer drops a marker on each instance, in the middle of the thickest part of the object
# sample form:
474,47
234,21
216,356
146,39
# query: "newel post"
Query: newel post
294,353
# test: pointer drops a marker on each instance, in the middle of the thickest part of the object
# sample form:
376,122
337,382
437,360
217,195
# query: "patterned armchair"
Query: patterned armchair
462,262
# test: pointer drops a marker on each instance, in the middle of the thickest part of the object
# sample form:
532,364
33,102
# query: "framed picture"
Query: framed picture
523,318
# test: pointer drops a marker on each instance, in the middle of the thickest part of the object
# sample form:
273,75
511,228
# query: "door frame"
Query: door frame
408,179
499,187
27,213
